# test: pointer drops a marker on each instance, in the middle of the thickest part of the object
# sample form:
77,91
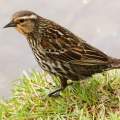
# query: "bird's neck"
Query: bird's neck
33,39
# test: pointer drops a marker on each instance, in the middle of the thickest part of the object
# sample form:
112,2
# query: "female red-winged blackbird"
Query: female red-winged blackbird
59,51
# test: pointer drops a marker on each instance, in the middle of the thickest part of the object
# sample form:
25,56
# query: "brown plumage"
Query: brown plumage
60,52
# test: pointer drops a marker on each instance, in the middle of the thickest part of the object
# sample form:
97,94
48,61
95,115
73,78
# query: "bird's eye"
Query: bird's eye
21,21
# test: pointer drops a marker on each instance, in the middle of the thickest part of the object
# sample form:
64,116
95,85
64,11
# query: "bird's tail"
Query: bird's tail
115,63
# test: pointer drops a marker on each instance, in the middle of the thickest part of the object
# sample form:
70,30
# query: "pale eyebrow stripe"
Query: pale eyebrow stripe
27,17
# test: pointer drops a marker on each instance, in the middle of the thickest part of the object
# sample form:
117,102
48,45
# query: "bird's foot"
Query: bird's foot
55,93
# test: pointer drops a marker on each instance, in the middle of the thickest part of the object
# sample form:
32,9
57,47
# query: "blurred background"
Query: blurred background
96,21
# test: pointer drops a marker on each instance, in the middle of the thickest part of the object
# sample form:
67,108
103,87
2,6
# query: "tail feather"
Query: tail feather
115,63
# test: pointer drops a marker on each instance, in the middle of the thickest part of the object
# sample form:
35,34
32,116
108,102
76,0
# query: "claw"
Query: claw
55,93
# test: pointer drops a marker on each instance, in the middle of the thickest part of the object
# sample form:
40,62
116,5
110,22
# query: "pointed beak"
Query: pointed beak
10,24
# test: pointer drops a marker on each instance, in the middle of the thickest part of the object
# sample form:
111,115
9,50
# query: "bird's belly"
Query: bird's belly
60,69
69,71
52,67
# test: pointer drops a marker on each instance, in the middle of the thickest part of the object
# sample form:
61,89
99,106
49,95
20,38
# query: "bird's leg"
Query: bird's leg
57,92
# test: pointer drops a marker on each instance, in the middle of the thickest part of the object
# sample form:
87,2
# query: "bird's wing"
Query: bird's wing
84,54
66,47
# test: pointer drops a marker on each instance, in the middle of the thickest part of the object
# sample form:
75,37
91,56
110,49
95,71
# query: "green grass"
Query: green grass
97,98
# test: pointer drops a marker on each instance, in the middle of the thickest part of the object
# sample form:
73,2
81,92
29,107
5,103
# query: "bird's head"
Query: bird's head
23,21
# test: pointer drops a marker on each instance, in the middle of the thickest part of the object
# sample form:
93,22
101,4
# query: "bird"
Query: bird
59,51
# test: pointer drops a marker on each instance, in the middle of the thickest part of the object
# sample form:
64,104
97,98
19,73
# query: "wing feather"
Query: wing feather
66,47
82,55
